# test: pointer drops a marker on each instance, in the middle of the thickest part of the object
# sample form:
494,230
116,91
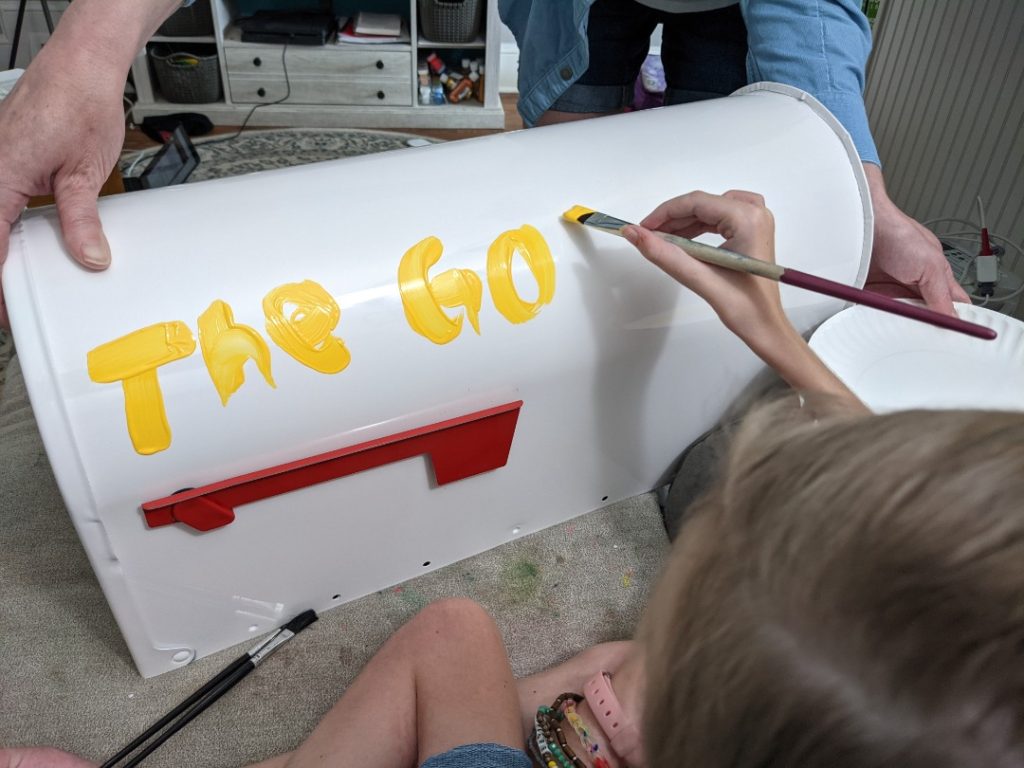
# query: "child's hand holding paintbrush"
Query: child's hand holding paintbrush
748,304
750,307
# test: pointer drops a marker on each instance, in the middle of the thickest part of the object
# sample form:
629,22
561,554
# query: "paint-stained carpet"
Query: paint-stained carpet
66,678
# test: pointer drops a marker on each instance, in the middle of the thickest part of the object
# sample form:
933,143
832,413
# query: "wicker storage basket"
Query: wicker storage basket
185,77
451,21
194,21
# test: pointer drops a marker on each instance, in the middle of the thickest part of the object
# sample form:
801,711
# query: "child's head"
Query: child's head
851,594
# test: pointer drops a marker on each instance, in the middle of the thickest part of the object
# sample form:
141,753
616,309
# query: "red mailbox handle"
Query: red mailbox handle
458,448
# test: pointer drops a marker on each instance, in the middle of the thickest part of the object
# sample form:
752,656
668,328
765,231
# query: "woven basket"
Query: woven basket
194,21
185,77
451,21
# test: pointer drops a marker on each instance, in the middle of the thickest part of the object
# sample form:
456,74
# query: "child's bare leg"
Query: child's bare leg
441,681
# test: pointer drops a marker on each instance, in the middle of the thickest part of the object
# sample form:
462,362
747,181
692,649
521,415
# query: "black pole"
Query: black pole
46,13
17,32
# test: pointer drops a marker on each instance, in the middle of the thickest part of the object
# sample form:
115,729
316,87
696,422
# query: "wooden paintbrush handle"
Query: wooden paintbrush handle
722,258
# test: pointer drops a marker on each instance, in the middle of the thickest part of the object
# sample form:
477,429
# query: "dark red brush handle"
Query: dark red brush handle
884,303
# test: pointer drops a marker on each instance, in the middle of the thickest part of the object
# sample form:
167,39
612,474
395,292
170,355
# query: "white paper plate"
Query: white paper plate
892,363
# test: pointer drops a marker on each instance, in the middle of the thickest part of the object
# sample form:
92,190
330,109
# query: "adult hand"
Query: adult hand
907,259
61,130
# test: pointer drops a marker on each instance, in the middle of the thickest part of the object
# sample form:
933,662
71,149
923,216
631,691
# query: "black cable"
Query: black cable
287,95
147,154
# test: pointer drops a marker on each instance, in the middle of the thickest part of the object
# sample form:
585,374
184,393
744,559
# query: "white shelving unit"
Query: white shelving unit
365,86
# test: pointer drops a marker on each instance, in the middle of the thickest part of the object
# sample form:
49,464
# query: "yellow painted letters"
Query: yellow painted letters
133,360
424,299
305,331
226,347
530,244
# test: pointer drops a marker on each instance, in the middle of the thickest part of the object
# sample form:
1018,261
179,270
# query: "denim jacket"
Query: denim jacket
820,46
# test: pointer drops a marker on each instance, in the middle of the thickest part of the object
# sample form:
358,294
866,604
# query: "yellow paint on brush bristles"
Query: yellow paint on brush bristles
575,213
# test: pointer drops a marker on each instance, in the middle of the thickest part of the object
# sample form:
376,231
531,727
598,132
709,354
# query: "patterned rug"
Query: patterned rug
277,148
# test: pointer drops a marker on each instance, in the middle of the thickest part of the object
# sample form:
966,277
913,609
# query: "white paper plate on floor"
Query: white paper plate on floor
892,363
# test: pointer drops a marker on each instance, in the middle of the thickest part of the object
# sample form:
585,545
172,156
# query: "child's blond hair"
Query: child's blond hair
850,594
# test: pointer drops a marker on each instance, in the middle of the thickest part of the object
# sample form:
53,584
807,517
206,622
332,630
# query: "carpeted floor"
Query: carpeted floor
65,675
6,352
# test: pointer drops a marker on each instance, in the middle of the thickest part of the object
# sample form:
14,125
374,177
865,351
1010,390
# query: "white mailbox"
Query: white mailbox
297,387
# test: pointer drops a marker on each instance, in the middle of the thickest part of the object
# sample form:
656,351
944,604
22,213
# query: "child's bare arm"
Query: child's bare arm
541,688
749,306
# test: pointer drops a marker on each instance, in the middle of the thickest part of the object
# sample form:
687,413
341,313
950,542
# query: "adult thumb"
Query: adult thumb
80,222
936,294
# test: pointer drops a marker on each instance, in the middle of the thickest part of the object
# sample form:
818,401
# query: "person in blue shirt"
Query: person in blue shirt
581,58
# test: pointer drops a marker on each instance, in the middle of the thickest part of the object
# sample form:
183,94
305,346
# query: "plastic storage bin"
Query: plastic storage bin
451,21
186,77
194,21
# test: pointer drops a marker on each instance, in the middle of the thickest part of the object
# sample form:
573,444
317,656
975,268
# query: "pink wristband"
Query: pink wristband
623,735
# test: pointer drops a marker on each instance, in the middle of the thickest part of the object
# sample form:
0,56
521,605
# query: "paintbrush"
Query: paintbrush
722,257
195,704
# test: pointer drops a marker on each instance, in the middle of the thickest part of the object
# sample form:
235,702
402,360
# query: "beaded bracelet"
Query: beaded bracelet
592,747
552,746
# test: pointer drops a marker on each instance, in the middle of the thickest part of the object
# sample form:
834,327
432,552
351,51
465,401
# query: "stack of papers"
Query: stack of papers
378,23
389,28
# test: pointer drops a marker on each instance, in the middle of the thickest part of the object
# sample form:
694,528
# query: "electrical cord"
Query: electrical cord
288,93
972,236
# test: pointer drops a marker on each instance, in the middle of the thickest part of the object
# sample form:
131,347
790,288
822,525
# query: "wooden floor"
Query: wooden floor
135,139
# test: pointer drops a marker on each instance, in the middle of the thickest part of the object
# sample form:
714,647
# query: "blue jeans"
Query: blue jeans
704,55
479,756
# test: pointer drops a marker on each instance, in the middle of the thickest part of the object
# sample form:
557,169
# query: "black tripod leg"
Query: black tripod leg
46,13
17,32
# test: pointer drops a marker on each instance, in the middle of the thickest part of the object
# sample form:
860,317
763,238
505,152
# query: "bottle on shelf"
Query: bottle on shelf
463,90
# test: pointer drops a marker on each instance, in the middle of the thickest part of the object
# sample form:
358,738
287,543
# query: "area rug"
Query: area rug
261,150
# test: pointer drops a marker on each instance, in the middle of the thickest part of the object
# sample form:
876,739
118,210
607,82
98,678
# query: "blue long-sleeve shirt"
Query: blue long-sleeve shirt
820,46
